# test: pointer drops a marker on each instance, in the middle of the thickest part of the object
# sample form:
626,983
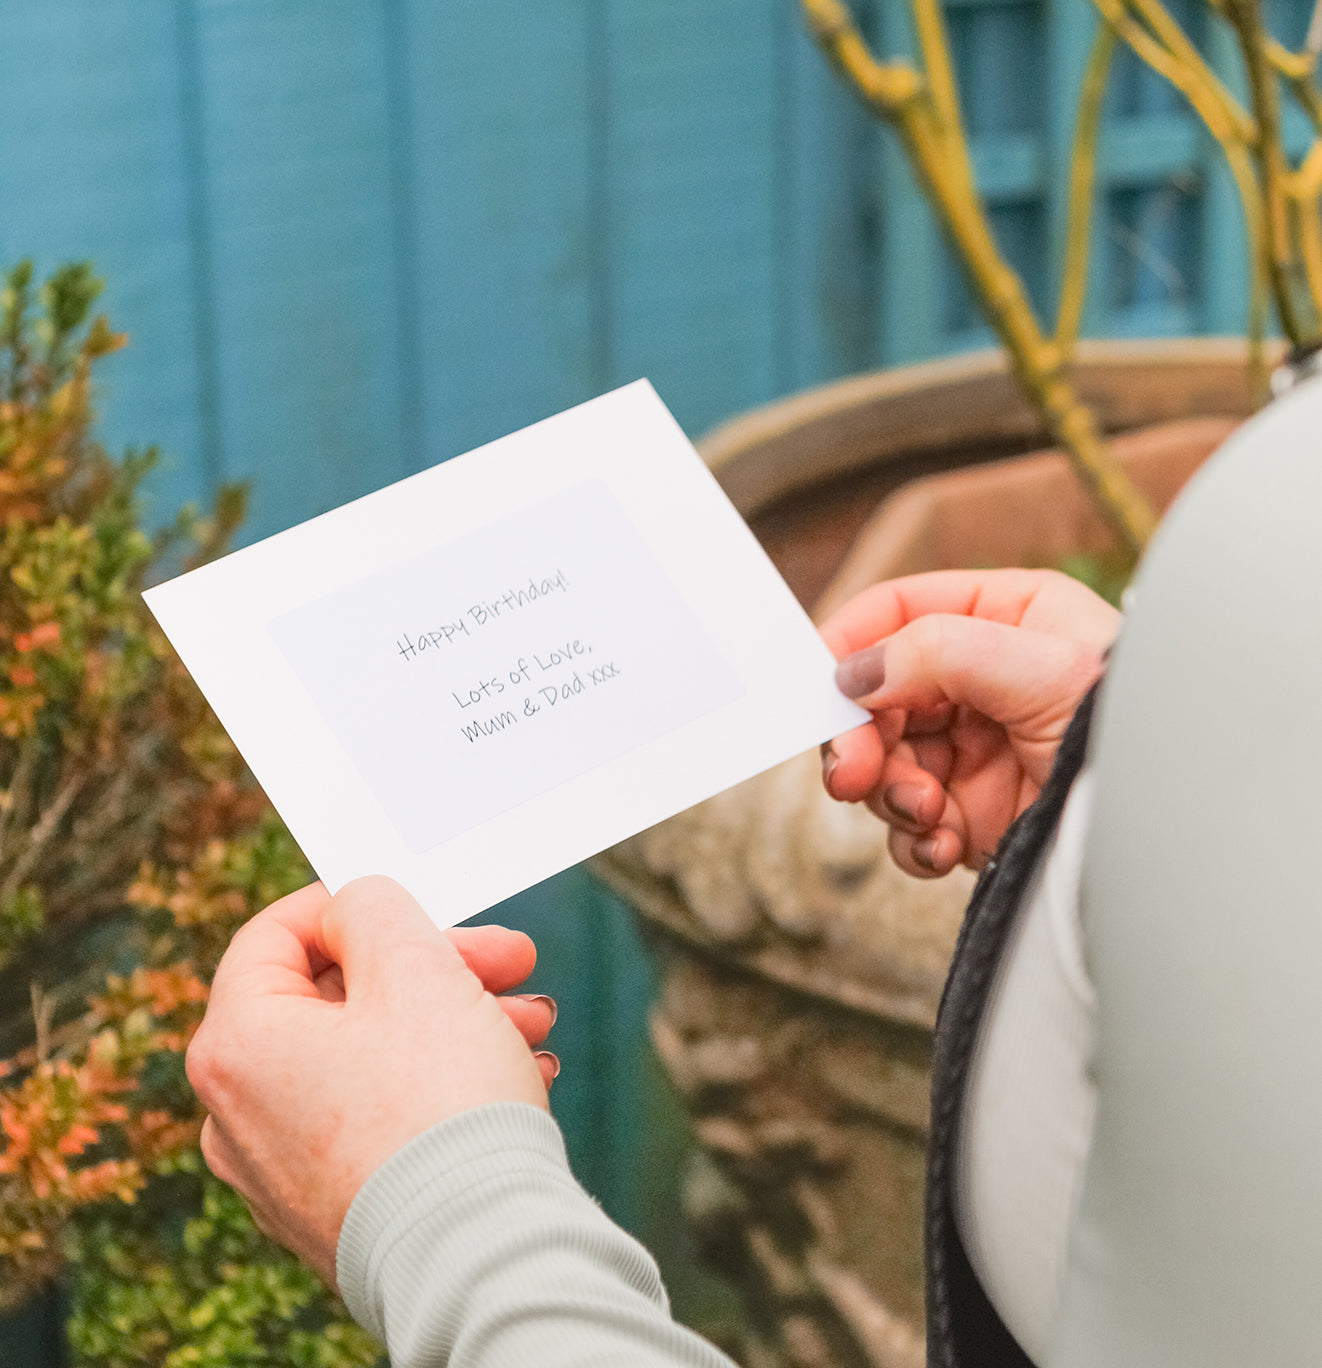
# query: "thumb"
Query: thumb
378,934
1028,682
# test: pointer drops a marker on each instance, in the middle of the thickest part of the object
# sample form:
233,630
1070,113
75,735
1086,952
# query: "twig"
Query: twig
901,96
1297,69
1295,305
935,48
43,1014
28,752
40,835
1306,194
1083,166
1179,62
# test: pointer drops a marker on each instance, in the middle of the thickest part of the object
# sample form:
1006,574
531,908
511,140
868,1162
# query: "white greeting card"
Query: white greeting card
489,671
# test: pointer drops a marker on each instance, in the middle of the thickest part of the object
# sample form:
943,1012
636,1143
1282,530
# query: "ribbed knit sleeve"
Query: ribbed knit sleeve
474,1246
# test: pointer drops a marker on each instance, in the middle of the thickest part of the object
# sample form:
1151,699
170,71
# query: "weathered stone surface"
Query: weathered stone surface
800,888
797,1030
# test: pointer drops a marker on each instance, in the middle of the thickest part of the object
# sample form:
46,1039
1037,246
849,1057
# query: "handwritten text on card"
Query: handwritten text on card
460,689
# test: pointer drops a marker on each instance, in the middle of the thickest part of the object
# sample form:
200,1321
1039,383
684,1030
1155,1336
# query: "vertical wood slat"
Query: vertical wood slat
826,268
694,176
506,274
92,163
296,148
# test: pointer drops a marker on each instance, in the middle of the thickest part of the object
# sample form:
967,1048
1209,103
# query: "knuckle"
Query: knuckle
205,1064
207,1143
212,1151
930,640
242,936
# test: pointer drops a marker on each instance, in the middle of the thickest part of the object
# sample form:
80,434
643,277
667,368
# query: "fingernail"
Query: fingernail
904,800
555,1059
863,672
829,761
924,854
541,997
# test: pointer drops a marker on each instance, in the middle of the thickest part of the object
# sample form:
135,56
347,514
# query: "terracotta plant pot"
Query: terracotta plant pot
799,970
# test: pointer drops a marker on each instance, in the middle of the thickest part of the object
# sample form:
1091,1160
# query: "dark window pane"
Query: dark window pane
1152,244
999,50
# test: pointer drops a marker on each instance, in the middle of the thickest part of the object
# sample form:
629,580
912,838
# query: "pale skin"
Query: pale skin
971,677
340,1028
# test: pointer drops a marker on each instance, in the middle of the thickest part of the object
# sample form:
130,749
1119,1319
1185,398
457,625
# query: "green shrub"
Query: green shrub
133,842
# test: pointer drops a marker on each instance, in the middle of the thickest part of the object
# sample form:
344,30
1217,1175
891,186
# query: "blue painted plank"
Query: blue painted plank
693,192
1000,50
92,166
1138,151
295,151
501,107
827,270
1011,166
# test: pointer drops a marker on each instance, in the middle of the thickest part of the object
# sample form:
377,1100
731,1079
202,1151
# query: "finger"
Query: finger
912,796
999,595
1028,682
934,755
923,721
378,934
330,984
501,958
214,1152
851,764
908,797
1044,600
275,952
549,1065
930,856
533,1015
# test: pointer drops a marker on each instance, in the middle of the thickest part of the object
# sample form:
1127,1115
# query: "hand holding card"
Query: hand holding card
481,675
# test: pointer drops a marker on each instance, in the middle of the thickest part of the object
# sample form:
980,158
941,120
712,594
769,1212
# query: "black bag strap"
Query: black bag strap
963,1329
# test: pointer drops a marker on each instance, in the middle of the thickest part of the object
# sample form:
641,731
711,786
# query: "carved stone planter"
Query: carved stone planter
800,972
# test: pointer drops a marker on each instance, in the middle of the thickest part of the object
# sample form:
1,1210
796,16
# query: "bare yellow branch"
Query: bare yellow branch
1175,58
1083,165
938,154
884,88
1305,191
1296,306
934,44
1227,122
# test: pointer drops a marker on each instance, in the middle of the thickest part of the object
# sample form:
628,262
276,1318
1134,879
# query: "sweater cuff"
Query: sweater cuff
433,1169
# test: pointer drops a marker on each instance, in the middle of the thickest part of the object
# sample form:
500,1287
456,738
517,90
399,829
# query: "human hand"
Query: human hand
340,1028
972,677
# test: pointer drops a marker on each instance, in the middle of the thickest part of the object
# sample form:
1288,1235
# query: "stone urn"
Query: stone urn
799,971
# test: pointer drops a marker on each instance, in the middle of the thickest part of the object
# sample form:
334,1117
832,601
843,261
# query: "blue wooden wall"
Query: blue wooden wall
354,237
